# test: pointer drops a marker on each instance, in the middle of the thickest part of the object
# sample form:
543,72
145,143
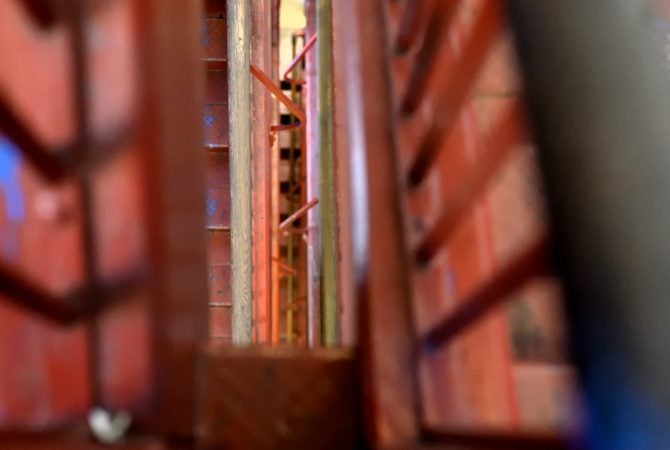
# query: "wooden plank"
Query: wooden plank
278,398
457,88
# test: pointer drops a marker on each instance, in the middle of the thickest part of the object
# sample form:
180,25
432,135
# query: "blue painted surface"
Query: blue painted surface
208,120
210,204
13,198
10,164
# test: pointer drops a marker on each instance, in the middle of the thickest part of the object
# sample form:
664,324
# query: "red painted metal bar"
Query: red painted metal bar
495,439
281,97
68,308
298,58
26,294
457,87
301,120
435,37
531,262
285,267
410,26
48,162
56,164
262,225
509,131
298,213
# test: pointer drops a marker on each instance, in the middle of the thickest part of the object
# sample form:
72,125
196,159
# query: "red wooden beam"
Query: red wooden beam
439,20
457,88
508,132
531,262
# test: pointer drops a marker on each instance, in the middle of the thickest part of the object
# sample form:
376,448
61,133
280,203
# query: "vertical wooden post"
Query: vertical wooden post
274,194
171,129
329,307
239,112
386,336
261,110
313,254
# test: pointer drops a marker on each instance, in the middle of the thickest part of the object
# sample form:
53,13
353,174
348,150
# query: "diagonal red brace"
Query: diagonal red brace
299,57
299,212
279,95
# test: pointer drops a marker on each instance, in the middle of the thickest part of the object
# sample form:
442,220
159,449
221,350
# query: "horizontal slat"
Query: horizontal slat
215,64
495,439
457,87
67,308
50,164
508,132
78,439
531,262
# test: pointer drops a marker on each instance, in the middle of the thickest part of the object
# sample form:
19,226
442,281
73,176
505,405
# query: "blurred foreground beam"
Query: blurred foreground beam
603,140
278,398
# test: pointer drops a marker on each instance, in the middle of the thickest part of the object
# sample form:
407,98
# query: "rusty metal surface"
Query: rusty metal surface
278,398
